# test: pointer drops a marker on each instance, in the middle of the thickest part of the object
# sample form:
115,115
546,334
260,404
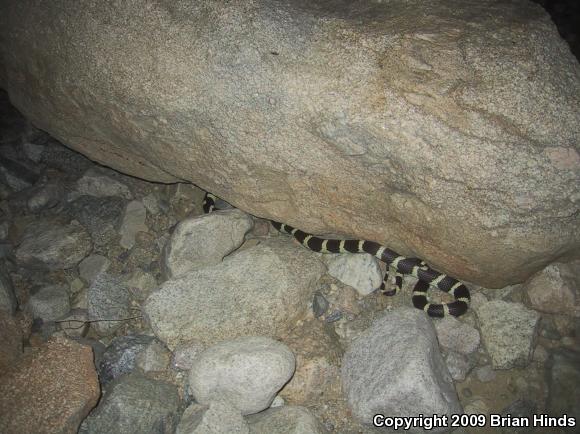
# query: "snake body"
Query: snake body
425,275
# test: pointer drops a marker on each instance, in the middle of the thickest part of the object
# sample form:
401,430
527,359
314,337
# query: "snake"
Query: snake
426,276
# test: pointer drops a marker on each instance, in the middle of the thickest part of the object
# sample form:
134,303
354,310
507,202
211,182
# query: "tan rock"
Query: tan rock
370,119
50,391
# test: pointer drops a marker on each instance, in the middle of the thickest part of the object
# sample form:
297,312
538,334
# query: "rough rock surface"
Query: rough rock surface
53,246
218,417
134,404
508,331
50,391
248,371
556,289
260,290
402,122
205,240
395,368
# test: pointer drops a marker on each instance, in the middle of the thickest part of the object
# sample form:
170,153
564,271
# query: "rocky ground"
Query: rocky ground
124,309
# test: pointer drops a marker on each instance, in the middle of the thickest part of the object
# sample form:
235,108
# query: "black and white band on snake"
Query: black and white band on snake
425,275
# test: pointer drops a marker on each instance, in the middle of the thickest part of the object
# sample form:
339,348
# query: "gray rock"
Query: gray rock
108,304
285,420
4,230
509,332
17,174
556,289
141,284
563,381
218,417
361,271
261,290
133,222
119,357
46,196
126,353
135,405
458,365
60,157
92,266
155,357
33,151
185,354
100,215
456,335
395,368
248,371
8,302
53,245
96,183
485,374
204,240
49,303
374,114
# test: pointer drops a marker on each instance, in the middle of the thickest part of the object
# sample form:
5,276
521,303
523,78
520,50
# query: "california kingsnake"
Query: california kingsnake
425,275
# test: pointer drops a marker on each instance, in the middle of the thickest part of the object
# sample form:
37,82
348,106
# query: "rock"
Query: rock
92,266
54,246
204,240
260,290
372,104
49,303
218,417
134,404
458,365
556,289
33,151
456,335
485,374
141,284
248,371
46,196
361,271
16,174
108,300
318,356
8,302
50,391
395,368
10,342
509,332
95,183
563,380
58,156
133,222
123,354
100,215
185,354
285,420
75,323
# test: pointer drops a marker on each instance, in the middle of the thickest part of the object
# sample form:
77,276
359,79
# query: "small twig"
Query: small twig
95,320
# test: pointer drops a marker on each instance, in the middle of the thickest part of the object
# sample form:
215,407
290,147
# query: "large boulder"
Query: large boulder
448,130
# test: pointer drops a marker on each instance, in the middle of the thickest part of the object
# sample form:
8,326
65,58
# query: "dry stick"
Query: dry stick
95,320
